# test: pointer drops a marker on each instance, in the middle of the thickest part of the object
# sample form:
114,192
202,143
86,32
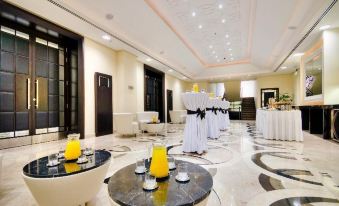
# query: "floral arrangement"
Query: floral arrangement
285,98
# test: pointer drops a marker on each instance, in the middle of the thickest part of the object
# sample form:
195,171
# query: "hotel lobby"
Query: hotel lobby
169,102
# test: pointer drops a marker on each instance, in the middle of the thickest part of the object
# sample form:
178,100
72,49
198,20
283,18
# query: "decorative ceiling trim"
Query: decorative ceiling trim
240,61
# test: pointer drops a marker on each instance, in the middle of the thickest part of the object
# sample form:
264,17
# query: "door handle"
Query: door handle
28,93
37,93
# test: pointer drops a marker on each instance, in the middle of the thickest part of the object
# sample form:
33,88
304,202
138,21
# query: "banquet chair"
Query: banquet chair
124,123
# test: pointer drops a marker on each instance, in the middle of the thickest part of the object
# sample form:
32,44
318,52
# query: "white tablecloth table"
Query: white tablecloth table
280,125
212,118
224,118
195,133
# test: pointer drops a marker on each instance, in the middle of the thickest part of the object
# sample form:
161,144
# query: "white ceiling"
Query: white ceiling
258,31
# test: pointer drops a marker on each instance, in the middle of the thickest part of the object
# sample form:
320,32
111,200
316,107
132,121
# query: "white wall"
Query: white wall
178,87
97,58
331,67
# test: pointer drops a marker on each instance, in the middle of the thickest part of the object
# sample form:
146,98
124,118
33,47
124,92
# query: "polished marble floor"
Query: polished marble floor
246,169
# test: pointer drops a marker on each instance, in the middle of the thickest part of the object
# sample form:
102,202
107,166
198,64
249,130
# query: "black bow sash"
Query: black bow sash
224,111
213,109
220,110
199,112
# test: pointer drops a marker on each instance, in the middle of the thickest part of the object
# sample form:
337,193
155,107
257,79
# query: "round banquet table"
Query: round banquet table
125,188
213,130
195,133
280,125
67,183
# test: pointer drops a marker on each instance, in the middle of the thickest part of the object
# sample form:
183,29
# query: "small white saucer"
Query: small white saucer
140,171
147,188
61,155
81,161
49,165
88,153
182,179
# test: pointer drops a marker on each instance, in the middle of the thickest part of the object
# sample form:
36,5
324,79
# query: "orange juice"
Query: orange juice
71,167
160,196
73,150
159,164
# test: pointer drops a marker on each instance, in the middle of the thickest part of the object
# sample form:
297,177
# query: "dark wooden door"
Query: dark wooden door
103,104
169,103
154,91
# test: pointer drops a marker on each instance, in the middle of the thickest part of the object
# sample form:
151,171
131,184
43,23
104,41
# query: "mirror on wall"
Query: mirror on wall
314,75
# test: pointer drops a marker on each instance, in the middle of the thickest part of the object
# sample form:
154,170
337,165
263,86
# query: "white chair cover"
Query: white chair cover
225,118
212,120
195,133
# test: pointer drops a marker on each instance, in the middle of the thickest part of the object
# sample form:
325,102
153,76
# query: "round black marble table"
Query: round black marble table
125,187
39,169
68,183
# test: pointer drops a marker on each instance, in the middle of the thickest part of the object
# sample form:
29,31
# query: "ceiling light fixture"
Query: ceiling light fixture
184,77
230,49
298,54
213,52
170,70
223,20
231,54
232,59
216,57
324,27
220,6
284,67
200,26
210,47
148,59
106,37
228,43
193,14
227,36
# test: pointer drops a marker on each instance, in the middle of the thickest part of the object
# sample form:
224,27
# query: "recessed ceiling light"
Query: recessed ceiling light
213,52
170,70
230,49
284,67
218,60
228,43
324,27
106,37
210,47
220,6
184,77
216,57
232,59
227,36
231,54
298,54
148,59
200,26
193,14
223,20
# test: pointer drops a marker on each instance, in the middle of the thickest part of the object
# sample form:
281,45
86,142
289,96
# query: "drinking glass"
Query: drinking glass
171,162
182,172
140,166
150,181
88,151
53,159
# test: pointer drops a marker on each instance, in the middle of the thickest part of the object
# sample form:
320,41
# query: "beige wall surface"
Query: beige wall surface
97,58
233,90
331,66
285,83
128,82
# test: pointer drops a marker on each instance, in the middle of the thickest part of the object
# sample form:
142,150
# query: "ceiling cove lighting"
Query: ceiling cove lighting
324,27
194,14
148,59
298,54
106,37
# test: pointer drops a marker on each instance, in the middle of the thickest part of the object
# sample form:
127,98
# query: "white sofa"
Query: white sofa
124,123
178,116
145,117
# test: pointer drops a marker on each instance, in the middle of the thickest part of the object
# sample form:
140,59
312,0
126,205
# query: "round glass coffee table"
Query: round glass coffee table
125,187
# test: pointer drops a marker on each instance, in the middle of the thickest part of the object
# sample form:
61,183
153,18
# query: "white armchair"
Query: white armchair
144,118
125,124
178,116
